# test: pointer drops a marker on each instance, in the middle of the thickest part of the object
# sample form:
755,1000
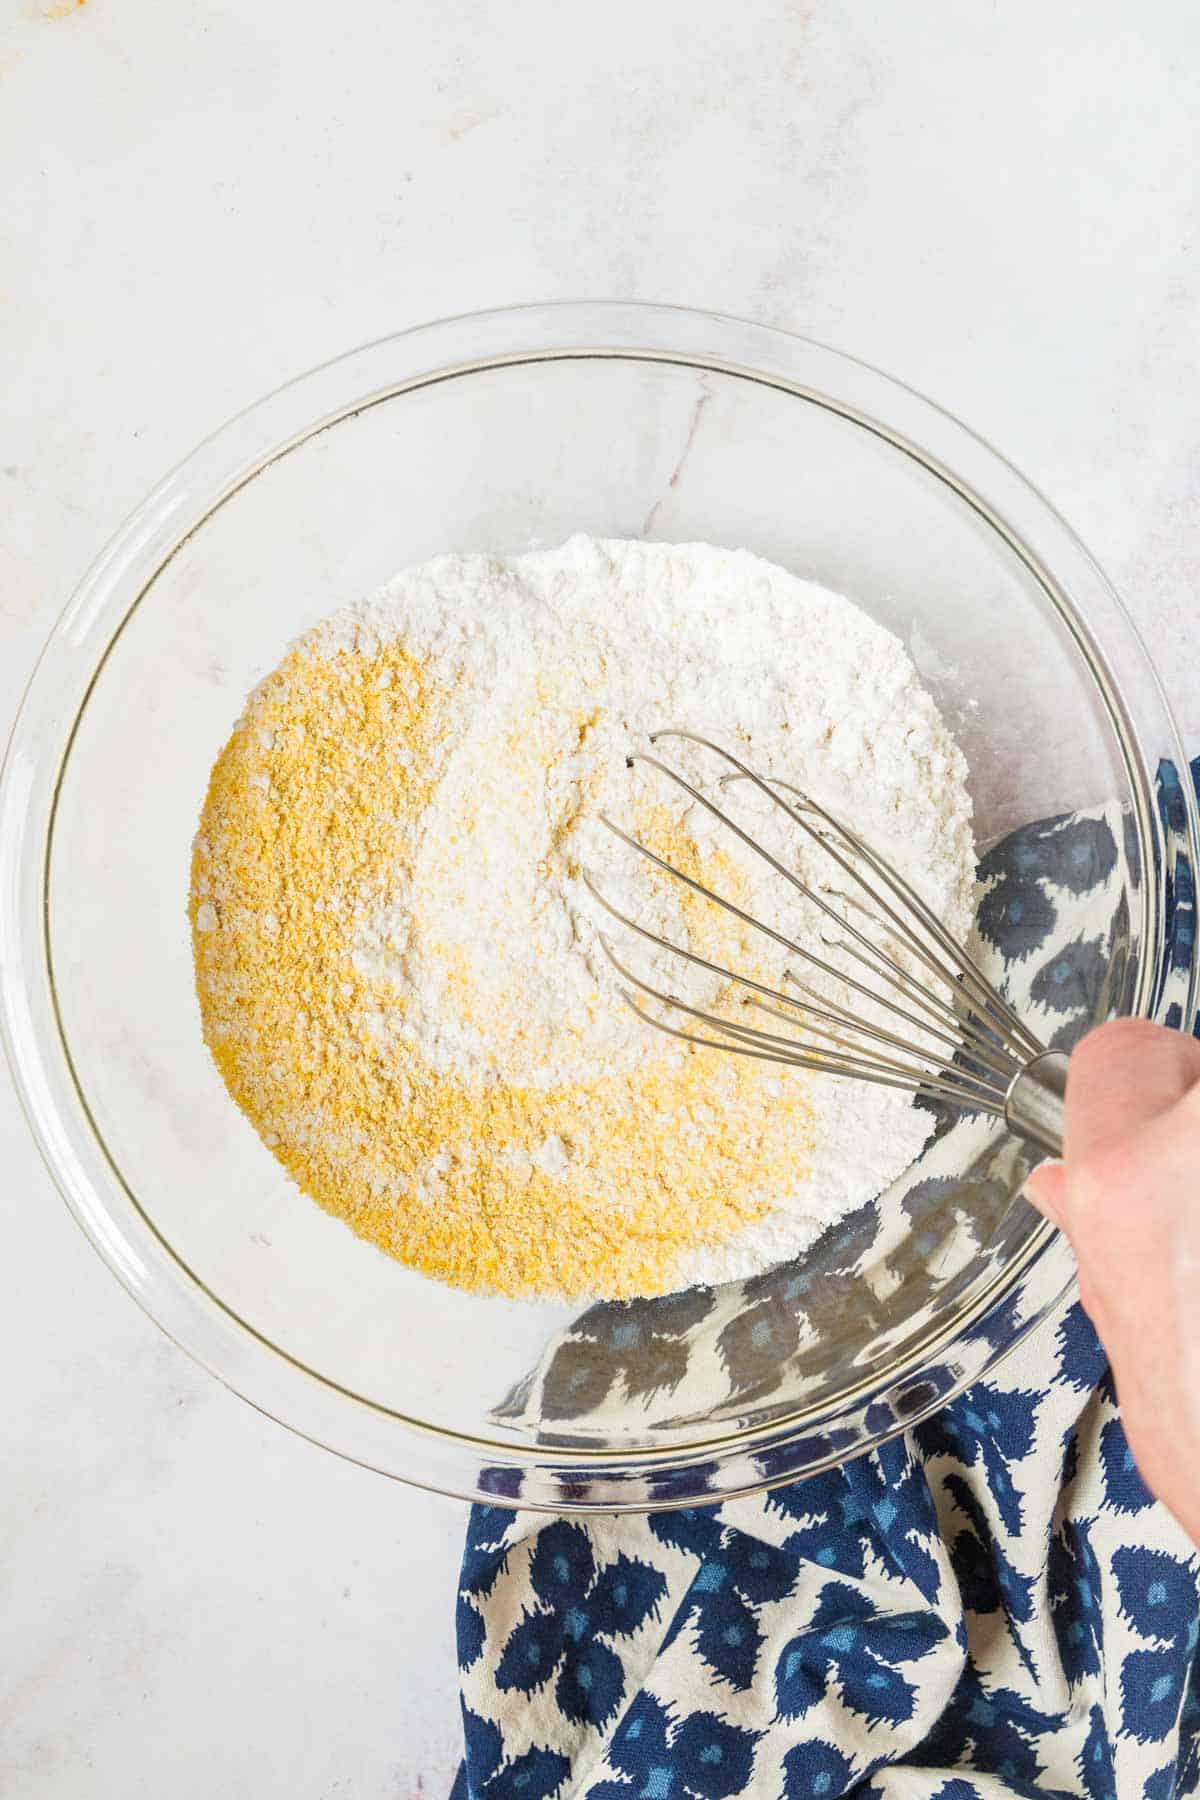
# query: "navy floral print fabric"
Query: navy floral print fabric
990,1605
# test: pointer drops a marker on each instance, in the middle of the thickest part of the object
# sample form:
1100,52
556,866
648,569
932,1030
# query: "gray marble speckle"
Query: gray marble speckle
999,204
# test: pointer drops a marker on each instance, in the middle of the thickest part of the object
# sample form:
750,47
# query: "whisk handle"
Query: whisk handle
1034,1103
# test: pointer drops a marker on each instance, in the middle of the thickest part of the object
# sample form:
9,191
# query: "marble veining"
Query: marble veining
997,204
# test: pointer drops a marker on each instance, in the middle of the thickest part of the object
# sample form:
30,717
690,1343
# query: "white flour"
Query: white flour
559,665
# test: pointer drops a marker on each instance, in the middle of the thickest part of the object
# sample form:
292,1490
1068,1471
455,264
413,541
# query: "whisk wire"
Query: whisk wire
848,1055
963,1045
960,959
738,912
820,1006
963,1088
874,959
932,1088
983,1033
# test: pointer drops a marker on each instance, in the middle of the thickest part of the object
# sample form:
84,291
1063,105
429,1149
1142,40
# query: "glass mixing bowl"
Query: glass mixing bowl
499,432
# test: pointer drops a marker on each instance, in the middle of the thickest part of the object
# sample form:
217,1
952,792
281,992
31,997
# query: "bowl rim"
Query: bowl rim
622,1477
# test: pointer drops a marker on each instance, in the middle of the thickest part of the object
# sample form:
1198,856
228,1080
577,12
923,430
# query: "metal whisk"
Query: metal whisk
943,1032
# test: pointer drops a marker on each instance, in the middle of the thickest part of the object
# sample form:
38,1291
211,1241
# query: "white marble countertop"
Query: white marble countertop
999,204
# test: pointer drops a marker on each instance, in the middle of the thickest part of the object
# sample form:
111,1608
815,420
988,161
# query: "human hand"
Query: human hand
1127,1194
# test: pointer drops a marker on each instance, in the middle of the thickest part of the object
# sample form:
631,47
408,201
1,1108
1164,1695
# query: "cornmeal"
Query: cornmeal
400,971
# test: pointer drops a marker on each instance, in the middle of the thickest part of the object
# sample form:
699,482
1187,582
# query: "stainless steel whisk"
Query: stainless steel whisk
948,1033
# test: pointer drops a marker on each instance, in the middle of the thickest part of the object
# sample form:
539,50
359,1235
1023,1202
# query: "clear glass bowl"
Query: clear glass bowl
503,431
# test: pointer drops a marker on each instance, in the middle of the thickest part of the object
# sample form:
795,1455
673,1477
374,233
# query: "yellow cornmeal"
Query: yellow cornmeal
310,822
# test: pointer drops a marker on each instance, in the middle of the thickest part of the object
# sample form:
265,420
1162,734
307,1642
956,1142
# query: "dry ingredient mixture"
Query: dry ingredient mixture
398,965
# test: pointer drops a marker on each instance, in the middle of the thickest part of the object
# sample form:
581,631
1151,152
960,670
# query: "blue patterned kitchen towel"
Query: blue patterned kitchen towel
990,1605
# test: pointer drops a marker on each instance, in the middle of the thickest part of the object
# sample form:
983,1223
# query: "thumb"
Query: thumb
1121,1077
1046,1189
